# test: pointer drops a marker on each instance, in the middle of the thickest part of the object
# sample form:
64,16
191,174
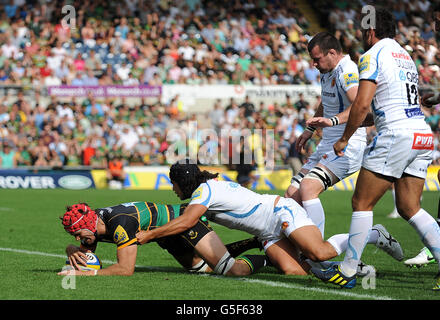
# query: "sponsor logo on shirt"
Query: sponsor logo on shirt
328,94
423,141
401,55
197,194
364,63
120,235
413,112
350,78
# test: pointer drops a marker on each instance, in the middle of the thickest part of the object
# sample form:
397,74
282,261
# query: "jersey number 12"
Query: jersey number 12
412,94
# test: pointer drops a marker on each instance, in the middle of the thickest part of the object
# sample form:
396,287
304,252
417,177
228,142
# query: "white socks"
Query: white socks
316,212
361,223
340,241
428,230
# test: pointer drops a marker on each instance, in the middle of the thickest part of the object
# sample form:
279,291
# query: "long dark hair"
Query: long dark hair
188,177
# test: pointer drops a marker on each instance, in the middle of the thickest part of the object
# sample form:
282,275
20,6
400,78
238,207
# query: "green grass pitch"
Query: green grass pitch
32,243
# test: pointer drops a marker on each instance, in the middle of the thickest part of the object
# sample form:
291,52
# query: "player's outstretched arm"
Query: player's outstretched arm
126,263
124,267
321,122
341,117
188,219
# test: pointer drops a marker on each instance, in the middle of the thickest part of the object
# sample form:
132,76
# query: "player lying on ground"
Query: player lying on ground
119,224
281,224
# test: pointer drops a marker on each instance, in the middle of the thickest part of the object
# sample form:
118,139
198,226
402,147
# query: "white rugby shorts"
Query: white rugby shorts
397,151
288,216
342,167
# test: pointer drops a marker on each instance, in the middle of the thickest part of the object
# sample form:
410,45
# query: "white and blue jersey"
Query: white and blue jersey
236,207
396,102
404,142
334,87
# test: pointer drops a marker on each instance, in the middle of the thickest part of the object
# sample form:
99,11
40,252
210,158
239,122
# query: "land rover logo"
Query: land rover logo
75,182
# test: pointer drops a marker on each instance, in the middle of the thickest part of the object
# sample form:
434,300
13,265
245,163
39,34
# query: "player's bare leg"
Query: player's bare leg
214,252
408,192
285,257
309,240
370,187
425,256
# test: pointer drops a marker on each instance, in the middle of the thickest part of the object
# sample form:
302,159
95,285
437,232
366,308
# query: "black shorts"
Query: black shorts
185,242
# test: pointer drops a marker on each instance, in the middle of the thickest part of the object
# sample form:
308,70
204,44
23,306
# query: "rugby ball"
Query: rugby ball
93,263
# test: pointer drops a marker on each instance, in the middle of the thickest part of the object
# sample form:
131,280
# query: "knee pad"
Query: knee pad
296,180
322,175
225,264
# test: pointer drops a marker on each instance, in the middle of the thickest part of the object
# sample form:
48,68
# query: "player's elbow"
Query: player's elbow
364,107
128,271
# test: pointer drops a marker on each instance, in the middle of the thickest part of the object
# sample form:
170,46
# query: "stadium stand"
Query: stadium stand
170,42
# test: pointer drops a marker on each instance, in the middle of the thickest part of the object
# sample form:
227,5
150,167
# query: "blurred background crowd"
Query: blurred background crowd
133,42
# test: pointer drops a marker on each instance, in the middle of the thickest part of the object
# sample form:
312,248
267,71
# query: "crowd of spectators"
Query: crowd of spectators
154,42
134,42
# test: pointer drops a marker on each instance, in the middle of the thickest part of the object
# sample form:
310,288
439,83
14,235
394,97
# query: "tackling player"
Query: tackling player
281,224
339,85
401,151
119,224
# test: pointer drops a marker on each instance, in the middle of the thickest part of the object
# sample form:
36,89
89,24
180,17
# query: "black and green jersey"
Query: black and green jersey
152,215
123,221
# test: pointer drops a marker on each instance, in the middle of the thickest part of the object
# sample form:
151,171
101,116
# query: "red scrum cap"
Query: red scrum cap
79,216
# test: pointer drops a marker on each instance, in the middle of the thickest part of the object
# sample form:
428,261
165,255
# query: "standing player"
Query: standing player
400,153
339,85
119,224
429,100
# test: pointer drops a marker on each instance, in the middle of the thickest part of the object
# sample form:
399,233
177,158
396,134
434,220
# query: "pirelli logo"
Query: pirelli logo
423,141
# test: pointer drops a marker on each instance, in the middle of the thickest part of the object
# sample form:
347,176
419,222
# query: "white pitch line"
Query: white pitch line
320,290
297,287
257,281
38,253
